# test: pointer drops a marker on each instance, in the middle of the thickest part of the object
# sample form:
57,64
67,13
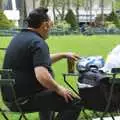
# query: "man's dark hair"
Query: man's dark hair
36,17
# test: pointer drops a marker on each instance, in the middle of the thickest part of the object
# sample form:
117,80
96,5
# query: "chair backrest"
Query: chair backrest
7,80
6,74
6,77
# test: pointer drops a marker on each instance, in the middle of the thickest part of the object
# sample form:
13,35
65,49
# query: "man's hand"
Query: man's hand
72,56
67,94
69,55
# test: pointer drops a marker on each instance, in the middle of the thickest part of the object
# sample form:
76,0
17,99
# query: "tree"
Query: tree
1,4
23,13
113,17
54,14
102,12
91,5
60,7
71,19
4,22
77,5
44,3
117,4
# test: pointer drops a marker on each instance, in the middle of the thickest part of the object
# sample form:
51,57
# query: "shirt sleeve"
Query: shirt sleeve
40,54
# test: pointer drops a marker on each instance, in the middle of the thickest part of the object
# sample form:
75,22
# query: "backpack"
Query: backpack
98,92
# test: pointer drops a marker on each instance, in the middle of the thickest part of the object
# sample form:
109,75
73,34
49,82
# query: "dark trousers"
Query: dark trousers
51,101
47,115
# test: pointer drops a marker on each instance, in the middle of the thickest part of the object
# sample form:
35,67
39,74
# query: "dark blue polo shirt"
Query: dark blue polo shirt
26,51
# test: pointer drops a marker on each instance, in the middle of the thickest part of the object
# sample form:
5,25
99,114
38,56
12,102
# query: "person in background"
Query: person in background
29,58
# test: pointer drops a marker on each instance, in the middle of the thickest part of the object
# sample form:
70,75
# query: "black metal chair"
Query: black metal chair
9,81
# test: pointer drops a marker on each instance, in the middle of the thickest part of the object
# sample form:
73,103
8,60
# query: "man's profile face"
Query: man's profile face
47,26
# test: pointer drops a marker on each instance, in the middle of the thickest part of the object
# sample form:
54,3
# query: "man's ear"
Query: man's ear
44,26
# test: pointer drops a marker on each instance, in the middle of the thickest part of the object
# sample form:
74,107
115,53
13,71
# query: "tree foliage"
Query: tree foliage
60,6
44,3
117,4
113,17
4,22
71,19
1,4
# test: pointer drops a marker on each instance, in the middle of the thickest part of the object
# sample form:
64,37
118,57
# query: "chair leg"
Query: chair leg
112,116
53,116
20,117
85,115
23,116
3,114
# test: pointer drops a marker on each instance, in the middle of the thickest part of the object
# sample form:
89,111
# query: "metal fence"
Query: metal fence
61,31
101,30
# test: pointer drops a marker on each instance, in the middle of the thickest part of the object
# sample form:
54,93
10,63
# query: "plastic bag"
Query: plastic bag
86,63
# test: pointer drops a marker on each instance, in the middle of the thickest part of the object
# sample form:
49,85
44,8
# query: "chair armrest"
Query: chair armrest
7,82
6,74
8,71
115,70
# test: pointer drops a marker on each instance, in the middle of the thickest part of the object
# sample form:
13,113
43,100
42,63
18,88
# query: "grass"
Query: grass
82,45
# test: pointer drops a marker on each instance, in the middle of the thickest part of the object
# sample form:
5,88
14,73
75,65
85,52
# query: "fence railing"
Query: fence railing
60,31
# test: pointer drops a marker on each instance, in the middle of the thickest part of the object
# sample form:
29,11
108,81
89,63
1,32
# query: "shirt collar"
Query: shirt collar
29,30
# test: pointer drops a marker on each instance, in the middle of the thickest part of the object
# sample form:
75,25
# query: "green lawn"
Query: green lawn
82,45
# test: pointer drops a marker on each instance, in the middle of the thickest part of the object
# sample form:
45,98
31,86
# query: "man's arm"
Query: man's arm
58,56
45,79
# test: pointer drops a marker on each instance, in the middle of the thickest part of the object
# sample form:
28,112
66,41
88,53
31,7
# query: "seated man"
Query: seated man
29,58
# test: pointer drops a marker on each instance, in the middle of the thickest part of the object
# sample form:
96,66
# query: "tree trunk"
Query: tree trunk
69,2
63,11
1,4
91,11
23,13
77,10
33,3
102,12
54,15
44,3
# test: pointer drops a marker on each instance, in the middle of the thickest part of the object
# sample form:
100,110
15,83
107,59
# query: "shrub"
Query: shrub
4,22
71,19
60,27
98,20
62,24
113,17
